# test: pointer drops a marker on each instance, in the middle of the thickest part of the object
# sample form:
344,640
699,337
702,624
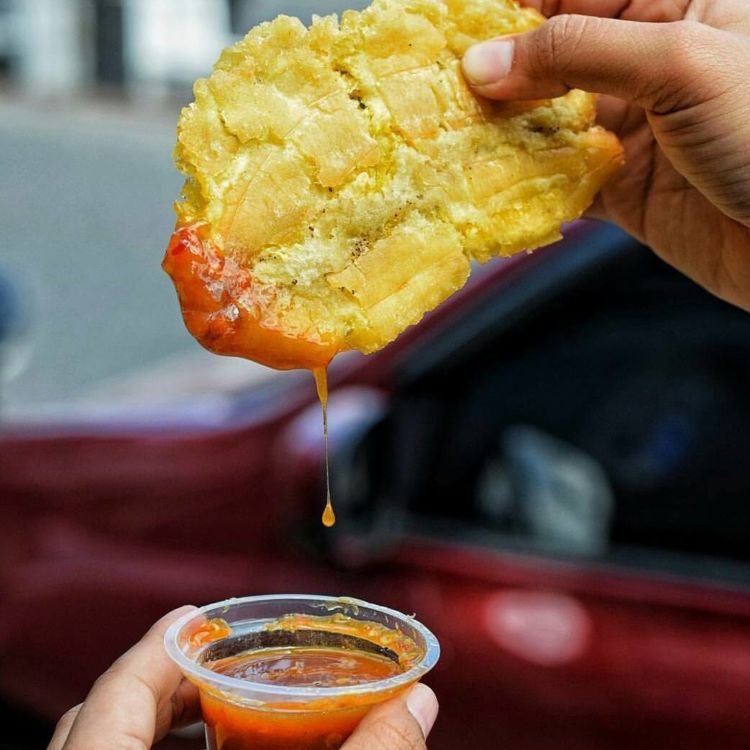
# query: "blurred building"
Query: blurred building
61,46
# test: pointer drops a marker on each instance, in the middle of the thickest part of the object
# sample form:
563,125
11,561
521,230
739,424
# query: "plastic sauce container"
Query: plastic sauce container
296,672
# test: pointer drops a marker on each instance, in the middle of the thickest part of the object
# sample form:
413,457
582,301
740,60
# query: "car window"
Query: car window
612,415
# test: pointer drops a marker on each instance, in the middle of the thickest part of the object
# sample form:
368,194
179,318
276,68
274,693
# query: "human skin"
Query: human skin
674,76
143,695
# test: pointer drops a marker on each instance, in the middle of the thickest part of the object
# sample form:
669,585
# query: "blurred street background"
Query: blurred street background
550,471
90,92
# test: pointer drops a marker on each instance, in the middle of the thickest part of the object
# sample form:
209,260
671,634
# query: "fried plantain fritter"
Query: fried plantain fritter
341,178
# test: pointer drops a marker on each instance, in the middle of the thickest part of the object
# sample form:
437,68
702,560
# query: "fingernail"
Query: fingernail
488,62
423,706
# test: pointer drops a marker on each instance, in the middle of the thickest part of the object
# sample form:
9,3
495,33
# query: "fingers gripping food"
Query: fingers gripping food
341,178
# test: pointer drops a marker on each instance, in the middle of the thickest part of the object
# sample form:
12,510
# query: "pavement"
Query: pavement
265,10
86,189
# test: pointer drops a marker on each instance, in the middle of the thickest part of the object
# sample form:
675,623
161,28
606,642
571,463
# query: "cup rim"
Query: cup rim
240,686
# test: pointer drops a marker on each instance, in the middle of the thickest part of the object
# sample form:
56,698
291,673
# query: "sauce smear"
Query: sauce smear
321,383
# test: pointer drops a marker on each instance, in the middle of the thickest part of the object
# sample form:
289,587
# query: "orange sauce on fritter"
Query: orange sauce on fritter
226,313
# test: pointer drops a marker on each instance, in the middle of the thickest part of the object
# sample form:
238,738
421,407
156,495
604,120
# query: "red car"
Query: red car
551,472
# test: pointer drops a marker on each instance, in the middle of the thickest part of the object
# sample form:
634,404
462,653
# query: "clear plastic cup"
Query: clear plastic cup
253,713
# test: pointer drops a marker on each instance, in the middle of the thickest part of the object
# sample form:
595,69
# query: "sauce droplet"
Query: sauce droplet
329,517
321,383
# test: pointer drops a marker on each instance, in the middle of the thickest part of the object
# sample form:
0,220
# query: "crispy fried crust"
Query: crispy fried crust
342,178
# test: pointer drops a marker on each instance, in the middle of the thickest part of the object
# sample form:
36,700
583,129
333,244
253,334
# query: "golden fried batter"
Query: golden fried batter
341,178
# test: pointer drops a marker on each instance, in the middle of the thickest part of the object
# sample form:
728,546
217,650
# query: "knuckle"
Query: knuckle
68,717
108,677
689,58
557,42
684,42
388,735
131,742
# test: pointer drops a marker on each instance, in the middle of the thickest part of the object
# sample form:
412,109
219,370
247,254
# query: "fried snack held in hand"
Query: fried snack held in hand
341,178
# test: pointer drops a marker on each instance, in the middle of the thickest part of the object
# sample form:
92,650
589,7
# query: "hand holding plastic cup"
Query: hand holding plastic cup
296,672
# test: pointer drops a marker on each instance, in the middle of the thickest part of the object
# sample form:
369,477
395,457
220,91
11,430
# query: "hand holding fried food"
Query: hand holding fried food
342,178
675,84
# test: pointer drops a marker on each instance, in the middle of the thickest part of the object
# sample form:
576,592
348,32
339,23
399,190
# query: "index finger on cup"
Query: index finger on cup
135,702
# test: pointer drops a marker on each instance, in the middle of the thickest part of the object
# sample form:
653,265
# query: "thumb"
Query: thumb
400,724
663,67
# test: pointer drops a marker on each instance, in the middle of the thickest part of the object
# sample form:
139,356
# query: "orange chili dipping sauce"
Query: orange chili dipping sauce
230,727
228,314
312,727
308,667
333,652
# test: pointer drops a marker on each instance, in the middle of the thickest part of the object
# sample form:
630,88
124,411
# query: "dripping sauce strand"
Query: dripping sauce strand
321,383
224,325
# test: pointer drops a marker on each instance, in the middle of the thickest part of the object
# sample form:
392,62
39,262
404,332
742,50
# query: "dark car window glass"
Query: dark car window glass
615,415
